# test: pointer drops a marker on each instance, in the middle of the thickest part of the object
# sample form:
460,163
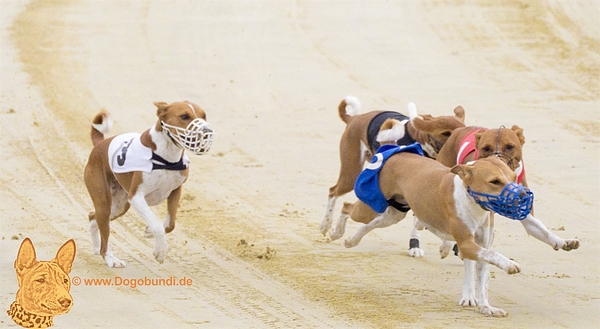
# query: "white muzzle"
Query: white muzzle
196,137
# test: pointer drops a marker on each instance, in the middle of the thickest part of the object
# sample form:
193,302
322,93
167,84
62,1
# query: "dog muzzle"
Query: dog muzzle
196,137
515,201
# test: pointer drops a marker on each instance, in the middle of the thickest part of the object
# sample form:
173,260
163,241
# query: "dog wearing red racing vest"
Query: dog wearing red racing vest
472,143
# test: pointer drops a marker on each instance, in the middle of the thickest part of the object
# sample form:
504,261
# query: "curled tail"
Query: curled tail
101,124
348,107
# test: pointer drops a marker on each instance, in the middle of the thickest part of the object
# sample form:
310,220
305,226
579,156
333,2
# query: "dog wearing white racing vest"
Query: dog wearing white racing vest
472,143
359,143
142,170
452,203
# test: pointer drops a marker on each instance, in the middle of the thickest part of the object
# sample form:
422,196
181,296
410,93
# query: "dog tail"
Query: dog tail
348,107
412,111
390,131
101,125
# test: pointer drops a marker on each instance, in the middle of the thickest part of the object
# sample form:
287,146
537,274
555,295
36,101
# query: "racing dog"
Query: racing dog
43,286
142,170
453,203
472,143
359,143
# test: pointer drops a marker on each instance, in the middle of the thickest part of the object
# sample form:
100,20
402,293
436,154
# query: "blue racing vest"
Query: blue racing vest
367,188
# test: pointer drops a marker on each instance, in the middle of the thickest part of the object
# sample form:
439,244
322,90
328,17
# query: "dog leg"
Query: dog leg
484,237
100,232
95,233
445,248
167,223
483,279
340,226
104,228
414,247
172,205
389,217
328,218
470,250
468,291
351,159
538,230
154,225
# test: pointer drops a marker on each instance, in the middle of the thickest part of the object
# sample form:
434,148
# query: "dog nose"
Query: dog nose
522,194
65,302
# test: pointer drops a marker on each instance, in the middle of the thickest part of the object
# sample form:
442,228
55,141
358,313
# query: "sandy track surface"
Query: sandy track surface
270,76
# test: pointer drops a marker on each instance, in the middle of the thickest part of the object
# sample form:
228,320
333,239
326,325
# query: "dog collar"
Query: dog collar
159,162
467,146
520,171
515,201
29,320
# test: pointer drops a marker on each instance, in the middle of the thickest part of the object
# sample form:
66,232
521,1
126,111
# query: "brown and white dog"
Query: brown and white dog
43,286
441,198
142,170
472,143
359,143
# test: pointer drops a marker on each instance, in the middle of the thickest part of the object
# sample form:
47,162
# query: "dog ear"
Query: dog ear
425,123
519,132
161,108
66,255
26,257
463,171
459,112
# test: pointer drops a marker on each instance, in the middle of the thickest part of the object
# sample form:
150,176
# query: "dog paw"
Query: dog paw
445,248
113,261
160,256
160,250
334,235
416,252
349,243
492,311
468,301
512,268
570,244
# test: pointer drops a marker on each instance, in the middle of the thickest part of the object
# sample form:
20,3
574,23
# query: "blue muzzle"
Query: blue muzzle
515,201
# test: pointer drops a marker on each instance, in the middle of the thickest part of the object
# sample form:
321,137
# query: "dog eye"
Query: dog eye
185,117
41,280
509,147
487,149
496,182
446,133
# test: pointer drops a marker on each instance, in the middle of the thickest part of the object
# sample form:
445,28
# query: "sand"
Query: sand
270,76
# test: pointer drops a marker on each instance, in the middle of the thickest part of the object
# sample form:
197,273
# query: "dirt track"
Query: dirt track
270,76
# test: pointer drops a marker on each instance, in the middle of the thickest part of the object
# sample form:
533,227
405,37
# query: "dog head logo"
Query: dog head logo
43,286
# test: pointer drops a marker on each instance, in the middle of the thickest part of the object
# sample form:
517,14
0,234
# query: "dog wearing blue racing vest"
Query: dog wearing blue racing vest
453,203
359,143
142,170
